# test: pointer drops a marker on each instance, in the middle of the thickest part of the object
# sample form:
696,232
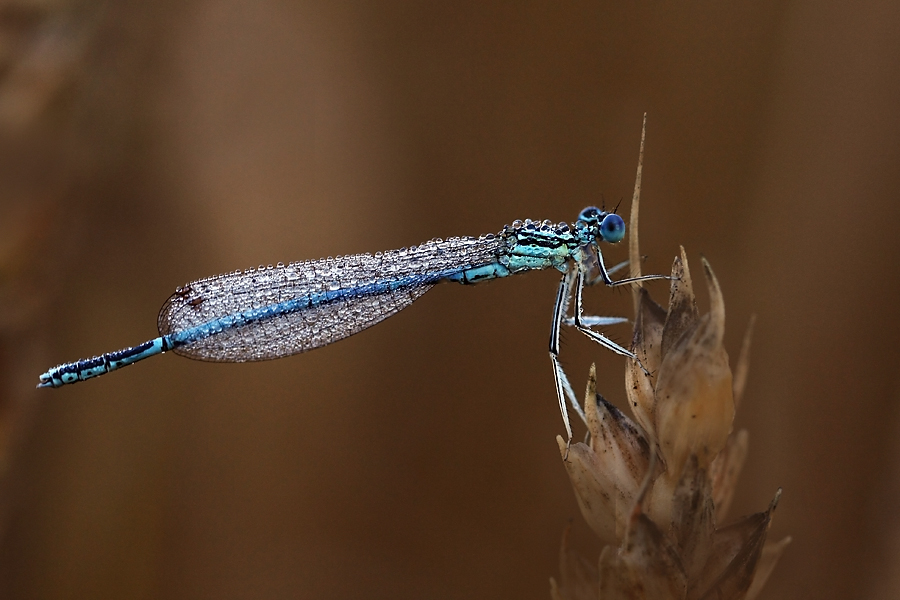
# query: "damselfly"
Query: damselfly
276,311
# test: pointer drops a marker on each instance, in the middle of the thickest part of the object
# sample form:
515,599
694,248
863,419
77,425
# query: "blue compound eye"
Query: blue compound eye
612,228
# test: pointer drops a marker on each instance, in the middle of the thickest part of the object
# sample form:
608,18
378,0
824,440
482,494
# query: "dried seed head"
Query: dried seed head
660,528
653,491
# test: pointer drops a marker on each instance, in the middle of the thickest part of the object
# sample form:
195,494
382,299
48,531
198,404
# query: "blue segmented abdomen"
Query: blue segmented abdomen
99,365
271,312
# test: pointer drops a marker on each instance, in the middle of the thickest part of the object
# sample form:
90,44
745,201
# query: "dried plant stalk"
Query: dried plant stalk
654,489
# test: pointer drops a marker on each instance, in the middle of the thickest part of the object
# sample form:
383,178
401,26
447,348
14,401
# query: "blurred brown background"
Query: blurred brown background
147,144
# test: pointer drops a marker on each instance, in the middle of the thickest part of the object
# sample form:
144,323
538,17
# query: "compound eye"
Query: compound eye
589,214
612,228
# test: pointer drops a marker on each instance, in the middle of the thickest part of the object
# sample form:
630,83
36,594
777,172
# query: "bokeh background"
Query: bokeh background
147,144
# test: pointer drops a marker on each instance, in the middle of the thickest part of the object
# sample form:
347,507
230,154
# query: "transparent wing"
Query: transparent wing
203,302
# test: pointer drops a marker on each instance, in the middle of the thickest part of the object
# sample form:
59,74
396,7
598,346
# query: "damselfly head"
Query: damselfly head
608,227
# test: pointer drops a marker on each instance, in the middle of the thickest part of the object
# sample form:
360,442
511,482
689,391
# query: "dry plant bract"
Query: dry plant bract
654,489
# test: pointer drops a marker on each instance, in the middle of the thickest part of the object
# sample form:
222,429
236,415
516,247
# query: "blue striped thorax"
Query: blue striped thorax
538,245
533,245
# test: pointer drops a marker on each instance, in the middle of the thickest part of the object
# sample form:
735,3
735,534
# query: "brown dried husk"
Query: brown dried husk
661,527
654,489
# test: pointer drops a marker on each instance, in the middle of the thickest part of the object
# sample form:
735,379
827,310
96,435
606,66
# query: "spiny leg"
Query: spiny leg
604,274
596,321
604,341
592,321
563,387
583,323
567,387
